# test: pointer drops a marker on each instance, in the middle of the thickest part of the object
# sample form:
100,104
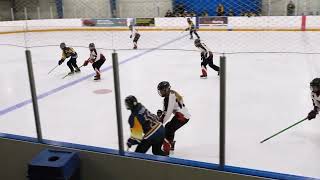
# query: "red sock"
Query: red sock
166,146
204,71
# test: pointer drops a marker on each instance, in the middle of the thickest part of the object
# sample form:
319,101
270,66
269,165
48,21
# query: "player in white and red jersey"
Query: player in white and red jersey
172,104
97,59
206,57
135,35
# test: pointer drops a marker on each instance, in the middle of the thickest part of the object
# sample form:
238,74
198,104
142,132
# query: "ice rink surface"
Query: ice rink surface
266,92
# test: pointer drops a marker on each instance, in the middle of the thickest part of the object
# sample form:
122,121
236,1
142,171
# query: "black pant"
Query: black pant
194,31
155,141
173,126
72,63
209,60
97,65
136,38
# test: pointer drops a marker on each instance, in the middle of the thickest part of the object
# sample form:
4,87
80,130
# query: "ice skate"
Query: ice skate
77,70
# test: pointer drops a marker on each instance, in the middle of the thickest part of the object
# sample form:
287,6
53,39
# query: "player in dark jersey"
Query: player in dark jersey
172,104
66,53
97,59
206,57
192,29
146,130
135,35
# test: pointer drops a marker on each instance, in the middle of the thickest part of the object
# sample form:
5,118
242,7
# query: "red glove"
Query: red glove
166,145
85,63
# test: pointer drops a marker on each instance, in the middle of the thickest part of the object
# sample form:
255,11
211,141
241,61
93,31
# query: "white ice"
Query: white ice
266,92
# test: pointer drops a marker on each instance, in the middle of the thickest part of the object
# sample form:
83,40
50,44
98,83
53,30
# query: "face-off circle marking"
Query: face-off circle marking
102,91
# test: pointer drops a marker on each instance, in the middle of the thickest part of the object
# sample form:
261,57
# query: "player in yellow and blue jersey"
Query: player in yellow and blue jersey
192,29
146,130
69,52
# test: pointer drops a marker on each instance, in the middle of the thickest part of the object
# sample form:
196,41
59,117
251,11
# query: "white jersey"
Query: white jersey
172,106
205,51
95,55
134,32
315,100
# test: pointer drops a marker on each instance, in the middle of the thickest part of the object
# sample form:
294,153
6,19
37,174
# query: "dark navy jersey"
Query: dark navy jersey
143,123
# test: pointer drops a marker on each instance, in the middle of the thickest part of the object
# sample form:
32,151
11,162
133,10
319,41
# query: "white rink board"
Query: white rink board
39,24
173,22
313,22
265,22
234,23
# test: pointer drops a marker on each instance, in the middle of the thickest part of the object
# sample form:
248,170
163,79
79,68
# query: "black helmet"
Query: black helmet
188,19
130,102
315,85
164,88
92,46
63,45
197,42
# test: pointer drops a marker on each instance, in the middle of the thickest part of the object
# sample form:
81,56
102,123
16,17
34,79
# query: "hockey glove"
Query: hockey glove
130,36
132,142
187,29
312,114
60,62
159,113
203,56
166,145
